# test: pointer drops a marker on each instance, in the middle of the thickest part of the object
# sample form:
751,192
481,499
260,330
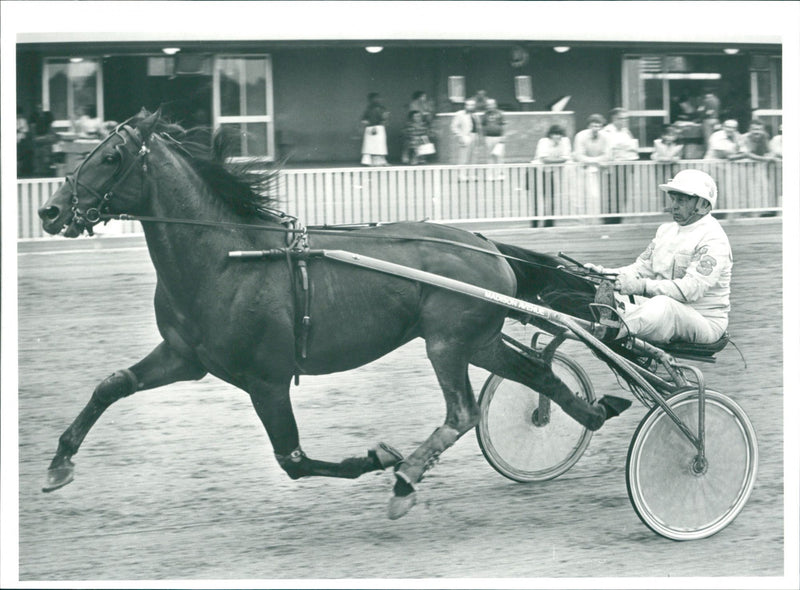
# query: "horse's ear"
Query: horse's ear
148,122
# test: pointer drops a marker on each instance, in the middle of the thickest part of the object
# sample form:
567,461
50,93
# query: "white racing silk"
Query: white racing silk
691,264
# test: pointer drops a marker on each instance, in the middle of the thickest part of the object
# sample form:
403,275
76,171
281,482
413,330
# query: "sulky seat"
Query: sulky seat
693,349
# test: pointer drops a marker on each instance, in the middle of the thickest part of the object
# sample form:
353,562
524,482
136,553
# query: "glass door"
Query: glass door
72,87
243,104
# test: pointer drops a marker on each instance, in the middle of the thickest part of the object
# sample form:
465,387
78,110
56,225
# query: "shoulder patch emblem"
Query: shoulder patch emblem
706,265
699,253
648,253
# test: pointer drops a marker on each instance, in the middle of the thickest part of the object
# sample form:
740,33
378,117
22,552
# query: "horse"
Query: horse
251,323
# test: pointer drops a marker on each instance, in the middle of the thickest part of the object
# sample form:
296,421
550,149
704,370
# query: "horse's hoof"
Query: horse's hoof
385,455
400,505
613,405
58,477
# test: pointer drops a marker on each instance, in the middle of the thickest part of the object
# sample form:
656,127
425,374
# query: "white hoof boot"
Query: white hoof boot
400,505
386,455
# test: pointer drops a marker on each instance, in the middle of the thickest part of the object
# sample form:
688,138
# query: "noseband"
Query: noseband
93,215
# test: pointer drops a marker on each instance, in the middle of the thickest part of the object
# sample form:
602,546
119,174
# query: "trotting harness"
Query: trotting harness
296,252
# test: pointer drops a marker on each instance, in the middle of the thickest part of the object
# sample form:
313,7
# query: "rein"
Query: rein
320,231
94,215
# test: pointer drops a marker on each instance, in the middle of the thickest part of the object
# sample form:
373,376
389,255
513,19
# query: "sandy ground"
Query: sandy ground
180,482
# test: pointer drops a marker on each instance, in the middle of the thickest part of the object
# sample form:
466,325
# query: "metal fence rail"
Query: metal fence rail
453,193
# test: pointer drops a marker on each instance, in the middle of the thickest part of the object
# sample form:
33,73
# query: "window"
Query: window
765,90
523,88
456,88
70,88
243,104
659,89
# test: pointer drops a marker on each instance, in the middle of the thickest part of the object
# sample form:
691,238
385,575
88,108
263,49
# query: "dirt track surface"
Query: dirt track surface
180,482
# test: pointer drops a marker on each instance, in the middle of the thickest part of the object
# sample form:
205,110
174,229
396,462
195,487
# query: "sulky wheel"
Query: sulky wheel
526,437
672,492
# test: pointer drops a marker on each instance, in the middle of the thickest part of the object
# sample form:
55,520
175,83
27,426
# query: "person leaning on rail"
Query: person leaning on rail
684,275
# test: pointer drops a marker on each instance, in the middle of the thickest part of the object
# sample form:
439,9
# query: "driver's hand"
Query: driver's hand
629,285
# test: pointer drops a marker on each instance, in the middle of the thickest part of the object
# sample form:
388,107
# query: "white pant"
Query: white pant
466,149
662,320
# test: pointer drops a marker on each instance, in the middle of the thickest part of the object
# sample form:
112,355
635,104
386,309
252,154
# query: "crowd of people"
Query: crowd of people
38,151
479,130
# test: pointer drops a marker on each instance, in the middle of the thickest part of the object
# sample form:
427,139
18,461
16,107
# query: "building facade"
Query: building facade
306,99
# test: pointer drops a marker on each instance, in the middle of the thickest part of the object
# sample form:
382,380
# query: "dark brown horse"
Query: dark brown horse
242,320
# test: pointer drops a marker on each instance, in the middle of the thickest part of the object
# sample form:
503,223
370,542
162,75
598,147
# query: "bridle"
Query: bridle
127,160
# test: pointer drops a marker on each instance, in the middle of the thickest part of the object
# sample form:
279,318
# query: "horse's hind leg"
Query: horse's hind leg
273,405
450,364
508,363
161,367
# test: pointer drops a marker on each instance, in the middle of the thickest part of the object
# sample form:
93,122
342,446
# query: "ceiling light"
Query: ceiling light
171,50
731,50
374,49
76,60
561,49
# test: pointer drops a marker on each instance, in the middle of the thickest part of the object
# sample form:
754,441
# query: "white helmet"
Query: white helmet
695,183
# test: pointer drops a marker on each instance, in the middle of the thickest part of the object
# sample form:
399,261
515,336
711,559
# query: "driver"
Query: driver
685,272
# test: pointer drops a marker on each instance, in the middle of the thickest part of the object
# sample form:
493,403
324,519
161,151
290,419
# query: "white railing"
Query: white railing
453,193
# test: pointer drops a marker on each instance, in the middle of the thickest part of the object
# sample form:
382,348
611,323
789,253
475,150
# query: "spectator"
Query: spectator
420,102
373,148
493,124
41,121
776,145
592,146
24,147
683,107
755,143
44,141
708,111
466,126
667,149
725,144
553,149
87,124
416,144
623,145
480,99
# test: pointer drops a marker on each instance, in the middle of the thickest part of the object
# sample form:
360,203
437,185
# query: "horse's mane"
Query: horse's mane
246,187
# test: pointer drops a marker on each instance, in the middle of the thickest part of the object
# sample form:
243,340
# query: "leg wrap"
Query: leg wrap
413,468
120,384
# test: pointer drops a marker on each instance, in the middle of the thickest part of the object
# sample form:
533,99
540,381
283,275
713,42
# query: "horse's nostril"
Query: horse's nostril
49,213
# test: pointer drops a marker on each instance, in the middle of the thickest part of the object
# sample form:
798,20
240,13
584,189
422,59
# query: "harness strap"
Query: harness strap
297,250
330,232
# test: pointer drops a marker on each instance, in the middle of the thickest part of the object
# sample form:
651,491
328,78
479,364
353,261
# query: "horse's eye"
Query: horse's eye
111,158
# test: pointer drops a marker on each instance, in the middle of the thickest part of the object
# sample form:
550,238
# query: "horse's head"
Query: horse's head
109,180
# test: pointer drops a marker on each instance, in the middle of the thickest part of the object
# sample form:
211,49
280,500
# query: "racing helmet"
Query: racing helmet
695,183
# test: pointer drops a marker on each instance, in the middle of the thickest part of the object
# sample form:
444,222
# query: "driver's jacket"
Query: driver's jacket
691,264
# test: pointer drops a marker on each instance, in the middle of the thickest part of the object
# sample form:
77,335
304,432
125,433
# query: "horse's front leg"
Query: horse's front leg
161,367
274,407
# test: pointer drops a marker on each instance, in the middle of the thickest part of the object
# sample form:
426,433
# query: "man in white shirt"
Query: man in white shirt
685,271
622,144
466,126
725,143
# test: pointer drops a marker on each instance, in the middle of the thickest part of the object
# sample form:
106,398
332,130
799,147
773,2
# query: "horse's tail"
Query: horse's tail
542,279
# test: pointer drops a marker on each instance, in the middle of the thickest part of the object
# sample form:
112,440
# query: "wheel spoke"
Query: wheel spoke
515,443
667,494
